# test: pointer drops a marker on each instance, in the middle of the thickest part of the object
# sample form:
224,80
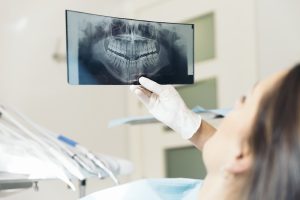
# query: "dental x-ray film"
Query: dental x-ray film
104,50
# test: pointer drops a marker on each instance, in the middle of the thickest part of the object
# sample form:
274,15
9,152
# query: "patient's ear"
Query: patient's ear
240,163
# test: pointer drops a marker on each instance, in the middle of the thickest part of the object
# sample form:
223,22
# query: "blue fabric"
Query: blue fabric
174,188
151,189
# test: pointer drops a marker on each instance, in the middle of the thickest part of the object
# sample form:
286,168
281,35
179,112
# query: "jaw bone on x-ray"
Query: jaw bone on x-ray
105,50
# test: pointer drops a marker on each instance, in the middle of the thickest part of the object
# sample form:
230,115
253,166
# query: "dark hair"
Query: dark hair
275,143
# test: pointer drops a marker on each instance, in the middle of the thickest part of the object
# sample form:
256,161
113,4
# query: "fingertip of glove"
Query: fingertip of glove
142,80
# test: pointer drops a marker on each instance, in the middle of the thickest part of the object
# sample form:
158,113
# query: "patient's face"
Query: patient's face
234,131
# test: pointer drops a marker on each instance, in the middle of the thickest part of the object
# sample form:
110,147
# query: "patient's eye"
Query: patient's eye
243,99
240,102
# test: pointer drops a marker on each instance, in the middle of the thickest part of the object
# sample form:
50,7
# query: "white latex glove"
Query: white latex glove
166,105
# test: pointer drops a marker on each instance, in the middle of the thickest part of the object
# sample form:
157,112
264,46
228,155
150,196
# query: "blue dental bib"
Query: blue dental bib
151,189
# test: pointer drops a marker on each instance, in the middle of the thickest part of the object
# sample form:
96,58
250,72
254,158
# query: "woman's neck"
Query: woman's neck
222,187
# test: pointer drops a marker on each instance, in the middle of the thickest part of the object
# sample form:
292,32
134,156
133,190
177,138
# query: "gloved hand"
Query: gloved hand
166,105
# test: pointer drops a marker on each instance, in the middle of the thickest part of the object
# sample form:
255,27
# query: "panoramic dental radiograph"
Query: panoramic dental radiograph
105,50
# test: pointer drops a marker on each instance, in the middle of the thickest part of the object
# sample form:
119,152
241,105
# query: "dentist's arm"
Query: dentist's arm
166,105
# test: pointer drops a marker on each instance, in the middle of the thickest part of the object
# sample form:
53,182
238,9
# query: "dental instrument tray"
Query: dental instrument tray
103,50
31,153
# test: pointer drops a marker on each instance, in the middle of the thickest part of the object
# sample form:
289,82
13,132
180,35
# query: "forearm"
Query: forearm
204,132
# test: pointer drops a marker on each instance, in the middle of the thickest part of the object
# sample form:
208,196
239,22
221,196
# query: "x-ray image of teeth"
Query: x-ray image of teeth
104,50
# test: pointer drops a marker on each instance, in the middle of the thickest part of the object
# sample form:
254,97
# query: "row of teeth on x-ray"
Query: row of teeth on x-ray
146,61
138,48
132,54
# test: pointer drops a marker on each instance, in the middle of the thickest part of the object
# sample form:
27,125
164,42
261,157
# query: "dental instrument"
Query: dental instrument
71,143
